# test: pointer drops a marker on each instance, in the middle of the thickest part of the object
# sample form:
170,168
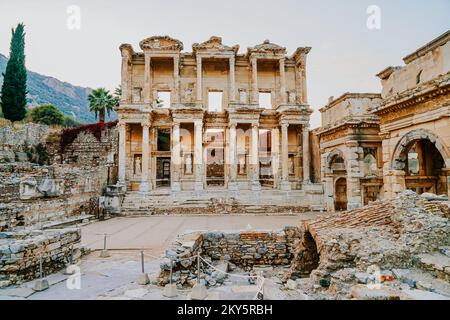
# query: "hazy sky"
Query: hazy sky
345,54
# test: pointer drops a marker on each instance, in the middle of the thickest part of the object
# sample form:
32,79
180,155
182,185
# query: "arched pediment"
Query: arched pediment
214,44
161,43
267,47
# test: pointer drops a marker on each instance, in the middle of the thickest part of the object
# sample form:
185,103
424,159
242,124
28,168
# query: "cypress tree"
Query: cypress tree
14,88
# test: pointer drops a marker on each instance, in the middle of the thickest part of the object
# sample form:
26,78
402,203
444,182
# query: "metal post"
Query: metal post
71,254
41,271
104,242
142,261
171,271
198,267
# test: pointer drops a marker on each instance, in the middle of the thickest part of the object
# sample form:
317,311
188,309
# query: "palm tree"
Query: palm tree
101,101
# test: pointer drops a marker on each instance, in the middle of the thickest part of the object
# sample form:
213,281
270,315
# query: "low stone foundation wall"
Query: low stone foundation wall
244,249
20,253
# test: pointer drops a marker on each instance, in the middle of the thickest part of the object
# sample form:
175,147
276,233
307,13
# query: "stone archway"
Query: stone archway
424,160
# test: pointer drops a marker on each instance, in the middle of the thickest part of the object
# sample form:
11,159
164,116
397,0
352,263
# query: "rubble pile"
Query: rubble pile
367,245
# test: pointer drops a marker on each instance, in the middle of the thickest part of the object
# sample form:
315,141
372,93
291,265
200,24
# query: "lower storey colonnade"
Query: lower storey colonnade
189,155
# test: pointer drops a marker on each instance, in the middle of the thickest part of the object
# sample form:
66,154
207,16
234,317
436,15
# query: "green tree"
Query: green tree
101,102
47,114
14,89
70,122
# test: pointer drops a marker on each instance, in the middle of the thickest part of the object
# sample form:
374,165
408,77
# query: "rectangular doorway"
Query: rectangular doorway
163,172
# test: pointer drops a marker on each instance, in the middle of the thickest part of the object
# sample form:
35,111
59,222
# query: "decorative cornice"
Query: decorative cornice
348,124
421,93
430,46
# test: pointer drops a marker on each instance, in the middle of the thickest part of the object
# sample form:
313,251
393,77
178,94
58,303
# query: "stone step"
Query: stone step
436,263
422,280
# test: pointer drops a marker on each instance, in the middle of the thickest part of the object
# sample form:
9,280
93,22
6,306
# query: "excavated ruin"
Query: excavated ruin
408,233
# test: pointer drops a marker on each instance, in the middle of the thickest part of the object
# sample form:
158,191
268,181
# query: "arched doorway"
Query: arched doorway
340,194
421,157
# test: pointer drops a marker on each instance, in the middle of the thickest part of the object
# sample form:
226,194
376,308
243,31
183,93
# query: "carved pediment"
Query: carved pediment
161,43
214,44
267,47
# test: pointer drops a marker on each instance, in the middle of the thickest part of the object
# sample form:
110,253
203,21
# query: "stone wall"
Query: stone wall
69,181
244,249
20,253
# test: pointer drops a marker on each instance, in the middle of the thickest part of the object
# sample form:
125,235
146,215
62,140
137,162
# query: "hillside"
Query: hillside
70,99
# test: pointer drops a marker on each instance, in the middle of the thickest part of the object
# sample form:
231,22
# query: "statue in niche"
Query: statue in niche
137,166
188,94
137,95
241,165
292,97
243,96
291,165
188,164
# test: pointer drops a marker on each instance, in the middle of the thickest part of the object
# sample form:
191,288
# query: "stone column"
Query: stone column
176,78
275,136
232,80
254,158
255,89
176,161
304,90
145,186
306,155
199,80
232,161
125,97
285,184
282,82
122,155
354,194
147,80
198,155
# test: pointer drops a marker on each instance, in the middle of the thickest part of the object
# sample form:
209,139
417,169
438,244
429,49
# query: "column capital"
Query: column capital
255,125
232,125
145,125
284,124
176,123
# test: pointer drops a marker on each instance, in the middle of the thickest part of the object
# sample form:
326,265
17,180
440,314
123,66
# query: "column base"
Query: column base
144,186
285,186
255,186
175,186
122,185
233,186
198,186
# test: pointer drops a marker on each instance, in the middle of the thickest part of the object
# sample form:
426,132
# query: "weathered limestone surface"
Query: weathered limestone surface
389,234
21,251
35,187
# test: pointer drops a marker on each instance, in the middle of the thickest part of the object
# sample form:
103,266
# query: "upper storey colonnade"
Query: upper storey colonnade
265,77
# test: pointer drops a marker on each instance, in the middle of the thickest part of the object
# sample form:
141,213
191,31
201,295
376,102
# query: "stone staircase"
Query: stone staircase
215,201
